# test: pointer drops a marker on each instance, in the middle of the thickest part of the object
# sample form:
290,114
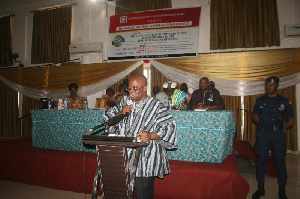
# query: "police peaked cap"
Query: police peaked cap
272,79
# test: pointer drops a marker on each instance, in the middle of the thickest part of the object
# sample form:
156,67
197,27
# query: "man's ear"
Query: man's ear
145,88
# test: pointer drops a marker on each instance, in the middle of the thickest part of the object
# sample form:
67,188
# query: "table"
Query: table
202,136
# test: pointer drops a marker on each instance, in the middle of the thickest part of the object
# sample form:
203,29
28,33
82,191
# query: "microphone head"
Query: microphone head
129,102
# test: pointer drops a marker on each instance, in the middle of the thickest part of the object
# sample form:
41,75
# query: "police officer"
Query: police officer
273,114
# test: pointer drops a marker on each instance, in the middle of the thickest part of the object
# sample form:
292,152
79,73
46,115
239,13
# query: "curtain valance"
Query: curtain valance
53,81
235,74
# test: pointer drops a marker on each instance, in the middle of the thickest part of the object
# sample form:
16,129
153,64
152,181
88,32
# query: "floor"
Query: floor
15,190
271,186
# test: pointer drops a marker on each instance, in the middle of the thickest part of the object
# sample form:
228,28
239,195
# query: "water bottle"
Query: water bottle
86,104
49,103
170,103
65,104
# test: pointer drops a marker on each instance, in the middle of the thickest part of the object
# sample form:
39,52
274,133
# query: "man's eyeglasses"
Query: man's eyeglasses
135,89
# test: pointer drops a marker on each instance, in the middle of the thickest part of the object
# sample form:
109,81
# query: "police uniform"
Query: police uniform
272,113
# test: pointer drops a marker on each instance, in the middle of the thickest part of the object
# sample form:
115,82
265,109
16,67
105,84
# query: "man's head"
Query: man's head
73,89
184,87
212,84
169,87
204,84
122,88
110,92
272,85
138,88
155,90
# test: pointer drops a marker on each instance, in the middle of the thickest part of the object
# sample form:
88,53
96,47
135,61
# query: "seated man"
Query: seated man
185,89
104,101
75,101
116,98
205,98
160,96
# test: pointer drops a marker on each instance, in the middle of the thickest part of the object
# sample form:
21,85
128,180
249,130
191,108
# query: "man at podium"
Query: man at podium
152,122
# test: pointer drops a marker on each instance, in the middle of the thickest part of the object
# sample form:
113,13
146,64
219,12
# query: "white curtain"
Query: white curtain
226,87
84,91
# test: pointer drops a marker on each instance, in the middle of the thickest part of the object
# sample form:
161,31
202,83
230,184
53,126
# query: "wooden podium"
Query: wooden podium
116,178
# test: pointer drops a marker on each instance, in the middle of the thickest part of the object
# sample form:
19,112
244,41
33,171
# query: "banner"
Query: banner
154,34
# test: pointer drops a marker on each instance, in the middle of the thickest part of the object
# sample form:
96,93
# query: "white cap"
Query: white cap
170,85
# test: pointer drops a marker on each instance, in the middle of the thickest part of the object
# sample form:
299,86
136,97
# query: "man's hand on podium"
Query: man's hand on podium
147,136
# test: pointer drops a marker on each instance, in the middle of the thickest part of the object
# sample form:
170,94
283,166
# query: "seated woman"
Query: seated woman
185,89
105,100
75,101
179,100
118,96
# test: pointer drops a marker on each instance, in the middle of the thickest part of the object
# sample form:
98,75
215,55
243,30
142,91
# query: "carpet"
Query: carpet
244,149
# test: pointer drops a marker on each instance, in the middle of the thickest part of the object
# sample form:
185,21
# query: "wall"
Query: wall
91,21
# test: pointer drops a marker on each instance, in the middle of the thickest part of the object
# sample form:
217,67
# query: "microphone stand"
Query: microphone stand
101,131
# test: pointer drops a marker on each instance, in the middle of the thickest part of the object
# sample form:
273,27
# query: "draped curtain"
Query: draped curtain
243,24
138,71
157,79
235,73
27,105
53,81
5,42
292,136
51,35
9,112
231,103
250,128
128,6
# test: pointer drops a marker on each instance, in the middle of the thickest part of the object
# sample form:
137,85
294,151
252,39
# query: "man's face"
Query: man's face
155,90
137,89
170,91
271,87
73,92
203,84
110,93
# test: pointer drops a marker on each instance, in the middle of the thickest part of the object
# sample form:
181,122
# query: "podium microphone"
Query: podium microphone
117,119
97,127
110,122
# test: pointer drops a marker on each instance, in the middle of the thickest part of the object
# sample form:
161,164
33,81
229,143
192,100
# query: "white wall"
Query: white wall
296,11
91,21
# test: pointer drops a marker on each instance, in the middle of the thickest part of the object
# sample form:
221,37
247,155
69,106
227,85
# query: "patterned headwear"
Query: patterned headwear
170,85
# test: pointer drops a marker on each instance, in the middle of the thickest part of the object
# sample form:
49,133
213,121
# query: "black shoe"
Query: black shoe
258,194
282,193
282,196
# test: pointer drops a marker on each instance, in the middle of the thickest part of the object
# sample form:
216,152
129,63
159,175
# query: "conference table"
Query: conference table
203,136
